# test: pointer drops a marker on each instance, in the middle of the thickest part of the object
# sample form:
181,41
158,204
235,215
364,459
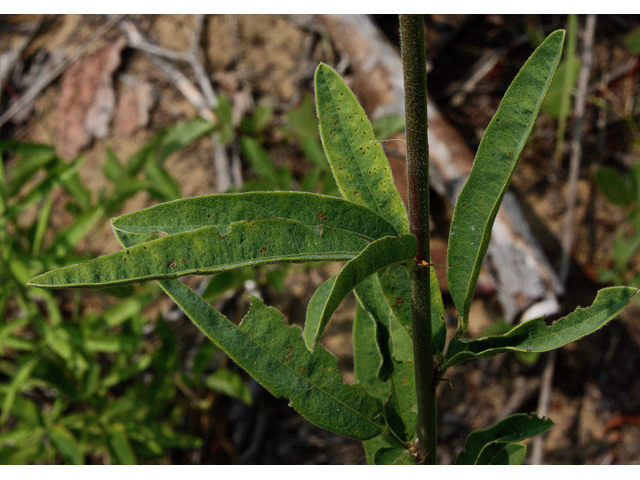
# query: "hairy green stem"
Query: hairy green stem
415,97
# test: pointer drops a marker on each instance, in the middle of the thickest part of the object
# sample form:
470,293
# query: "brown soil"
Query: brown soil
595,400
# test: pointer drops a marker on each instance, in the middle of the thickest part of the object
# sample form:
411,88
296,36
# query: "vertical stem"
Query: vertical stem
415,96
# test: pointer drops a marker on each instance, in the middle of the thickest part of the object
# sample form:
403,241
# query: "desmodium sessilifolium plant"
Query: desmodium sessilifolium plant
399,324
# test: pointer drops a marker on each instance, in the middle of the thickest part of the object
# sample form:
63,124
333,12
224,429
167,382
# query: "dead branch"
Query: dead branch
44,81
576,145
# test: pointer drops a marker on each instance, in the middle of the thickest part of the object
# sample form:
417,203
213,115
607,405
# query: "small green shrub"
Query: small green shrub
399,332
72,388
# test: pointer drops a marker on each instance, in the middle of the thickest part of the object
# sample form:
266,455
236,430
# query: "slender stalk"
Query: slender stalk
415,96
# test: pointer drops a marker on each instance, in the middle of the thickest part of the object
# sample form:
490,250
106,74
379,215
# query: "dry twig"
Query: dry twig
576,146
203,102
543,406
9,59
44,81
568,232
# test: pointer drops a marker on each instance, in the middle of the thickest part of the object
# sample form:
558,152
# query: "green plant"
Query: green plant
399,331
624,191
558,99
622,188
72,388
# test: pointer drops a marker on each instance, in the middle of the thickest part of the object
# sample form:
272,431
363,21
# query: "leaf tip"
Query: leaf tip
310,336
37,281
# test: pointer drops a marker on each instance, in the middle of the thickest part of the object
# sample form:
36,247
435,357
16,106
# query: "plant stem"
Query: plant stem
415,97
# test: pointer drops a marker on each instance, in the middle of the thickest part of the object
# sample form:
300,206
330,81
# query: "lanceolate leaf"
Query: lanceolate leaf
499,453
512,429
206,251
375,352
393,456
535,336
370,296
495,161
221,210
66,444
401,410
378,254
396,289
370,350
275,355
357,160
383,444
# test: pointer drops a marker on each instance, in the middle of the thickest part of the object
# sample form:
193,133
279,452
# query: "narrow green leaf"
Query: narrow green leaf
181,135
512,429
74,186
370,295
375,444
259,160
138,160
220,210
275,355
387,126
15,387
33,157
388,355
66,444
165,186
495,161
118,442
535,336
112,169
370,350
68,238
395,285
438,324
231,384
57,174
401,409
377,255
206,251
615,186
632,40
41,225
393,456
124,310
499,453
303,124
357,160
